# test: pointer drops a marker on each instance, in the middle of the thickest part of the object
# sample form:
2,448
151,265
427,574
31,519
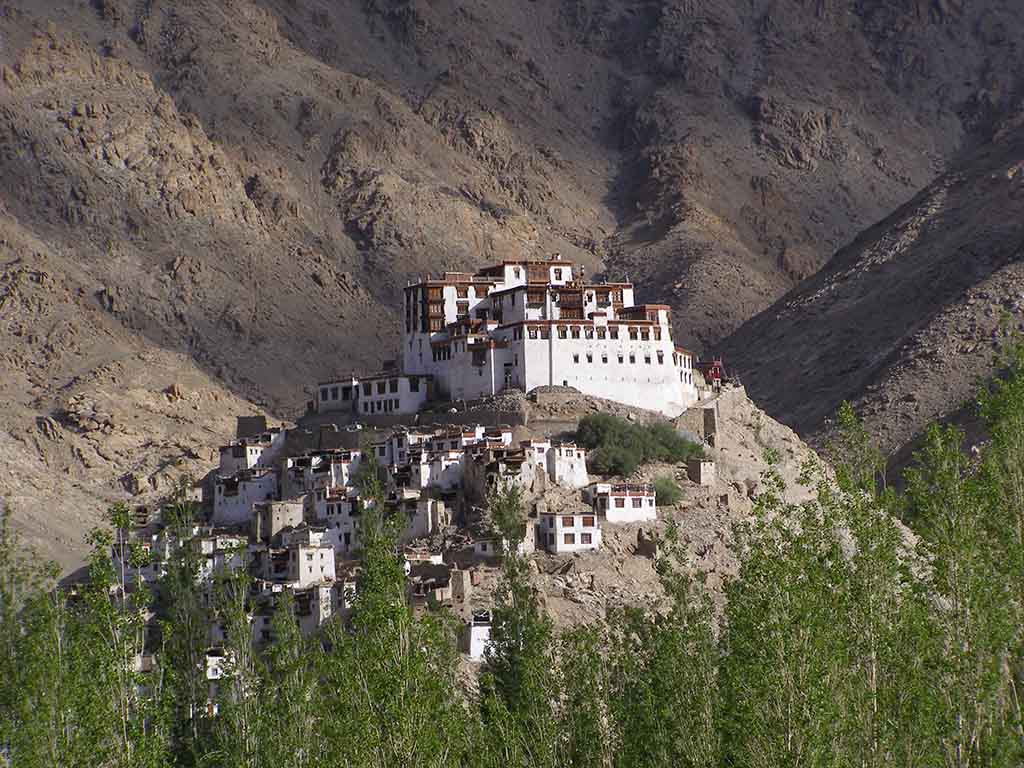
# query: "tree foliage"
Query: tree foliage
617,447
842,639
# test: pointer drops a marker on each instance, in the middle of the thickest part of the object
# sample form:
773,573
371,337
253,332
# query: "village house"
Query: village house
260,450
388,392
623,502
476,635
564,533
310,563
270,518
234,496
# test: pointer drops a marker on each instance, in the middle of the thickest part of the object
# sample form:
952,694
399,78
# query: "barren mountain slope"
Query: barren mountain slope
904,322
234,192
253,181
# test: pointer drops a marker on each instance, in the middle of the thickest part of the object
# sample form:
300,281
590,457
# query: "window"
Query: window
381,387
590,357
575,358
620,502
604,358
647,359
632,334
562,332
393,385
435,324
545,333
632,358
657,334
588,332
621,359
558,273
567,521
334,393
586,538
644,335
366,407
637,502
551,539
414,384
602,332
570,538
661,358
323,393
613,331
382,451
396,402
346,393
533,333
575,331
588,522
483,546
348,539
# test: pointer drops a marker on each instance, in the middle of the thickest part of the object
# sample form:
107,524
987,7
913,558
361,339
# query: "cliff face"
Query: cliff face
240,188
906,322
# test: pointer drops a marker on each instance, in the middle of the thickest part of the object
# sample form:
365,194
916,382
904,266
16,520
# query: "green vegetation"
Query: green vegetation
842,642
666,491
617,447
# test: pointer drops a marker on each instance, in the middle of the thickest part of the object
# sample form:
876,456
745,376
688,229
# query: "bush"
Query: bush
666,492
617,447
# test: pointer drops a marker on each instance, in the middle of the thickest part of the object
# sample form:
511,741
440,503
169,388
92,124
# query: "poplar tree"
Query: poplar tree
973,604
520,683
665,672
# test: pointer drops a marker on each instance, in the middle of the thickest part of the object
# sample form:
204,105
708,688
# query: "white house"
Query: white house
527,323
393,393
436,469
251,452
318,470
561,533
309,565
623,502
476,635
567,465
234,496
339,394
270,518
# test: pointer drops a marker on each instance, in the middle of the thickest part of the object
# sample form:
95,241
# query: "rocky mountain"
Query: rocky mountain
233,192
907,320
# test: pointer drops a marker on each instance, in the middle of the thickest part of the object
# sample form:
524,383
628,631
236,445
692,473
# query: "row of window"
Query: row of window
588,332
620,502
570,538
379,406
621,357
383,387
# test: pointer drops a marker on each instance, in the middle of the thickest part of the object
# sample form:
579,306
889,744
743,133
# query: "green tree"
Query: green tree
519,684
974,603
664,701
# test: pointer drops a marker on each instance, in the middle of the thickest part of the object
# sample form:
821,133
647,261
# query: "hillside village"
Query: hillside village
285,504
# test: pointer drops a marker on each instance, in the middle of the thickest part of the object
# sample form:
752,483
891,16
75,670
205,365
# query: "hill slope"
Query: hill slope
237,190
905,321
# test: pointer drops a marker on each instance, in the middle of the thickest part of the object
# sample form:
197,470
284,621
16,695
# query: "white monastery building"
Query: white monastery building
532,322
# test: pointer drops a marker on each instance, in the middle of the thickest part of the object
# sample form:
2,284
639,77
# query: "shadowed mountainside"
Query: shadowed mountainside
231,193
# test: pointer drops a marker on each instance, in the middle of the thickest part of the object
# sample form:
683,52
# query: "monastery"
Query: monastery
524,324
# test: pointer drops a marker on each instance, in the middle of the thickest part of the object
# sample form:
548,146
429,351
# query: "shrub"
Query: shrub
666,492
617,447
